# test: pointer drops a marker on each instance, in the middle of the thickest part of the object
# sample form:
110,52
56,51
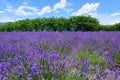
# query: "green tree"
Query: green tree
83,23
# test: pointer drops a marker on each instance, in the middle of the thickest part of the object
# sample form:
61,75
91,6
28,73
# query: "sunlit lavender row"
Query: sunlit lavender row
60,56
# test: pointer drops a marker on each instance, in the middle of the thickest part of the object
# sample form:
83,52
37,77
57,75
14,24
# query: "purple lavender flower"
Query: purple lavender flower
85,64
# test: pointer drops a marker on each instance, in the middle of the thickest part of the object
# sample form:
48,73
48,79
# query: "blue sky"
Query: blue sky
106,11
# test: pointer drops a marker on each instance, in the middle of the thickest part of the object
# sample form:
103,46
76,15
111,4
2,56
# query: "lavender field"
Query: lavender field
60,56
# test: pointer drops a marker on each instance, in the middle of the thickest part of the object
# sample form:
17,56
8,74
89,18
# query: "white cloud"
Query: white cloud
1,12
26,10
90,9
62,4
6,19
115,14
107,20
46,9
9,9
21,10
87,8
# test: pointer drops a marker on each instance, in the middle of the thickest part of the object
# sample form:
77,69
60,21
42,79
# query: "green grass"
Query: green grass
116,58
92,57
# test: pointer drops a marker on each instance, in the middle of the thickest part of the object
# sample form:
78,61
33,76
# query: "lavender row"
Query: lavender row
59,56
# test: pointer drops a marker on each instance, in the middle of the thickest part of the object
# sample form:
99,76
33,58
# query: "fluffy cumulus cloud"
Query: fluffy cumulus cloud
106,19
115,14
60,5
87,8
46,9
26,10
109,20
22,10
90,9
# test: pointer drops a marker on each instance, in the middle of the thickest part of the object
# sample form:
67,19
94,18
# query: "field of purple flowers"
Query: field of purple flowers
60,56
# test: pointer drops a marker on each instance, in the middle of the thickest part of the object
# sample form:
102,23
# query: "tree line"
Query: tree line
74,23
